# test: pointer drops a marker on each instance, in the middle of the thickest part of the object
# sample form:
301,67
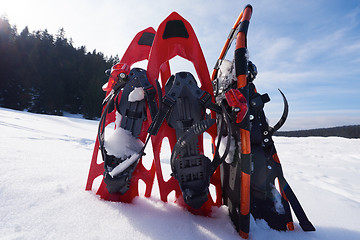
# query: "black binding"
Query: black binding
133,115
183,106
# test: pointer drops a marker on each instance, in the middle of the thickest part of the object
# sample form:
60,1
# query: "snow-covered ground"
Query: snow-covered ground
44,162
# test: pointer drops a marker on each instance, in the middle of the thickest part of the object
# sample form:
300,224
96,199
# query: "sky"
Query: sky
309,49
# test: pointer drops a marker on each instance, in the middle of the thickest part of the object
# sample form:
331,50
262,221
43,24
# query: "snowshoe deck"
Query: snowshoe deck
176,37
138,50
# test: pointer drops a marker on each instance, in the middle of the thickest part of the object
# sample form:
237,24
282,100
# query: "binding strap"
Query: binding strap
205,99
150,94
304,222
166,104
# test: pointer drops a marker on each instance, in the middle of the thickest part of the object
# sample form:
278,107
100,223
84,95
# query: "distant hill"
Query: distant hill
343,131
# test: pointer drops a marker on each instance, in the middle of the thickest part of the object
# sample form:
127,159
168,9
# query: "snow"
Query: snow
136,95
44,162
122,144
229,157
279,207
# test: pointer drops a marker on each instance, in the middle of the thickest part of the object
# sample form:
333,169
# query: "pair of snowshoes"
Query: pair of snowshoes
245,163
180,102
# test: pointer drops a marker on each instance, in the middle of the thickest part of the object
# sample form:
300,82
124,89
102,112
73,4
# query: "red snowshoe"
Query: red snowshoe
183,105
134,124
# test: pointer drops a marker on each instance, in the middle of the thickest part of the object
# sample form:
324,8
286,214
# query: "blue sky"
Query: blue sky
309,49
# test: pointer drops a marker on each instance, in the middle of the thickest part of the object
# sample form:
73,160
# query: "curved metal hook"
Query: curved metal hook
283,118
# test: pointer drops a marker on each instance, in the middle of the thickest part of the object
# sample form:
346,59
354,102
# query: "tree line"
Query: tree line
42,73
352,131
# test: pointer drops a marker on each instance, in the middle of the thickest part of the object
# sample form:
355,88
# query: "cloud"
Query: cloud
291,80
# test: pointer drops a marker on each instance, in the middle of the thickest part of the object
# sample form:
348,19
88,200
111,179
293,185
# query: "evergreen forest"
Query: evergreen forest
46,74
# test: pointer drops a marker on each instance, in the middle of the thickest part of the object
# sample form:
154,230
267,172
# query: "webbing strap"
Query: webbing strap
150,94
205,99
304,222
166,104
